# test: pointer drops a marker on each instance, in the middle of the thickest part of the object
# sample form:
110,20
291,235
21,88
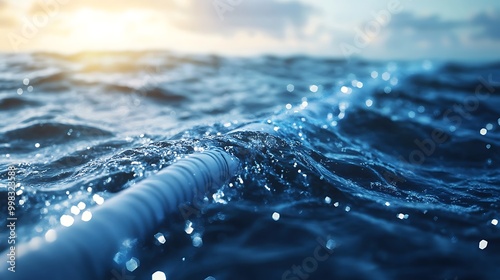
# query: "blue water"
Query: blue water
350,169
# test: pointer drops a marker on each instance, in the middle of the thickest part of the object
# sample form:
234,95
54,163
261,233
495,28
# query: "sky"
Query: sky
375,29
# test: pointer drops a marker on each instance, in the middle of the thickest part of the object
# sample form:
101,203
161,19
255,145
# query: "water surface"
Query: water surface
391,168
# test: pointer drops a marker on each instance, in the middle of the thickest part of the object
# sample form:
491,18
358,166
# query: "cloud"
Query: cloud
432,36
489,24
223,17
407,20
481,26
425,33
271,17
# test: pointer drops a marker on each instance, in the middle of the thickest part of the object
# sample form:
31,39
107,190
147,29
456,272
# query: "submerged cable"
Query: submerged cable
85,250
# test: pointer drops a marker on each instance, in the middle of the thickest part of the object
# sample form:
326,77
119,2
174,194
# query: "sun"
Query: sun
101,30
98,25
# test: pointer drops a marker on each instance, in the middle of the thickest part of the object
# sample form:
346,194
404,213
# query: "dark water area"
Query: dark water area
349,169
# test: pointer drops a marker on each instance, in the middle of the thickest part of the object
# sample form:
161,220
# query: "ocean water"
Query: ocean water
349,169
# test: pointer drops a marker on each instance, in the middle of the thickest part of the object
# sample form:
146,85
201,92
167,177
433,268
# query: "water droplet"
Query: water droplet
26,81
345,90
483,244
98,199
290,87
197,241
313,88
50,236
160,238
75,210
494,222
86,216
330,244
276,216
132,264
67,220
119,258
328,200
218,197
386,76
159,275
189,227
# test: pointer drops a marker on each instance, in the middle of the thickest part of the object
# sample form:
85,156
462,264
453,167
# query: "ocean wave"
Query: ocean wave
396,163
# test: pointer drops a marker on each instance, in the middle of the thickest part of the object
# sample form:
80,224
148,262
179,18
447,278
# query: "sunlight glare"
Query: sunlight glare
94,29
